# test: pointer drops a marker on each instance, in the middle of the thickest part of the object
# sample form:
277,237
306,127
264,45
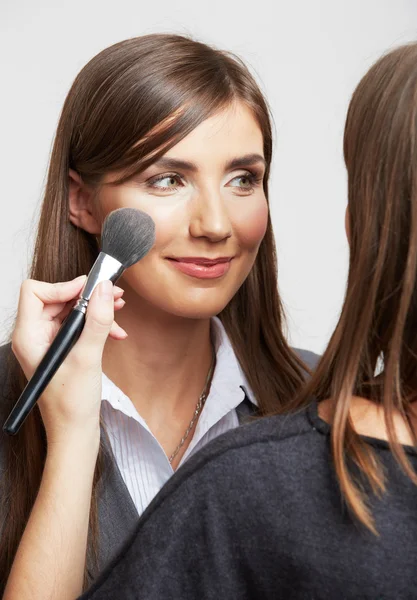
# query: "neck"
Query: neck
162,365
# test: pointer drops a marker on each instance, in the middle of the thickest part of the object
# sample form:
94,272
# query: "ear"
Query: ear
347,225
81,204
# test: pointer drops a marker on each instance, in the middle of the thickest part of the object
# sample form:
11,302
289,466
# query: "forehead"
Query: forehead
228,134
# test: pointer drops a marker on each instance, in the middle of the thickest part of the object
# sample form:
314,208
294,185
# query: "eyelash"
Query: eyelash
253,178
150,183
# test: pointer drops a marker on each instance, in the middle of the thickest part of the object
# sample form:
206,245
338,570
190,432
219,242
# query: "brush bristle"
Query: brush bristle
127,235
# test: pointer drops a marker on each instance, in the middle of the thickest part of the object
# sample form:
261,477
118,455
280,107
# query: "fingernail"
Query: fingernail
105,289
76,280
118,289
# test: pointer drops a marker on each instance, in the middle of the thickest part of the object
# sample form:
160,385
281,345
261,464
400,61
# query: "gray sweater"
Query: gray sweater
258,514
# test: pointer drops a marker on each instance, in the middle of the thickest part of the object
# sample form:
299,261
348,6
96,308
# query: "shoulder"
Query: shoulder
309,358
248,453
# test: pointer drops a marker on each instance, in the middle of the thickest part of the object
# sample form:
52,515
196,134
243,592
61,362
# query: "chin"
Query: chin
197,311
196,308
185,301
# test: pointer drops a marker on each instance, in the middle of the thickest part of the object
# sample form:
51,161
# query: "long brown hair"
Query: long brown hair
127,107
373,350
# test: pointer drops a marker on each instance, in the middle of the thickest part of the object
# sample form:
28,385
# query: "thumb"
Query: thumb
99,319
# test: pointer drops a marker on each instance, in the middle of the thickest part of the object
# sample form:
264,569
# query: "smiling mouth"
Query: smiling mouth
201,267
202,260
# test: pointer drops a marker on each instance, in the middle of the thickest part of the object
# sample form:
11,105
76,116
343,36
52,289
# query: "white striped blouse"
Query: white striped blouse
142,462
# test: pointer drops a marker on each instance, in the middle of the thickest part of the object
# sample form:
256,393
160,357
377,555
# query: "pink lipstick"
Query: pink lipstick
201,267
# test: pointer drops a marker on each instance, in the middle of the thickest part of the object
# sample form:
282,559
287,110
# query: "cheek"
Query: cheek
169,222
167,214
250,224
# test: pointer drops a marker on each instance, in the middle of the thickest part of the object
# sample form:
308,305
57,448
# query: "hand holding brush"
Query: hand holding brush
127,235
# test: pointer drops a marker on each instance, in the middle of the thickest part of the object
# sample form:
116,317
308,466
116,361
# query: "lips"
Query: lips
202,267
196,260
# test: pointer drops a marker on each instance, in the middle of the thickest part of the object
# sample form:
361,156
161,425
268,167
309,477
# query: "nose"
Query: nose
210,218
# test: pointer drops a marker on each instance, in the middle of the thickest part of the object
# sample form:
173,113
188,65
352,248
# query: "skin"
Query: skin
369,420
167,352
206,209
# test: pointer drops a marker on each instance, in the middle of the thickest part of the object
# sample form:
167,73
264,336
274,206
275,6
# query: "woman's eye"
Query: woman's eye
244,182
165,182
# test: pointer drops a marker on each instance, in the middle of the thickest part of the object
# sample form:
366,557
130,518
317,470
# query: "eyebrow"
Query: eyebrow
236,163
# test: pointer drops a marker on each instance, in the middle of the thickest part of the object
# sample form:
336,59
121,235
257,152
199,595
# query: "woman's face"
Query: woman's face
207,200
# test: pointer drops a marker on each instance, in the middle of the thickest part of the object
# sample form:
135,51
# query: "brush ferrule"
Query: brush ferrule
105,268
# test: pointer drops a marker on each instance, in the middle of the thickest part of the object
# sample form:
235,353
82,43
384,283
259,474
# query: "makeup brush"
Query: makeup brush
127,235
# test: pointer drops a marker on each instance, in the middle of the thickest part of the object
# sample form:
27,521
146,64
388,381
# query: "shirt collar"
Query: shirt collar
118,400
228,375
228,388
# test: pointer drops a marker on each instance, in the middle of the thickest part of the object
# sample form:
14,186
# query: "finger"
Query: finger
99,319
35,294
118,292
119,304
62,313
116,332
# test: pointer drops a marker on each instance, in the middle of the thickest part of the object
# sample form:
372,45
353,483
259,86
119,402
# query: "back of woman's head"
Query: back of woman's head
380,148
127,107
373,351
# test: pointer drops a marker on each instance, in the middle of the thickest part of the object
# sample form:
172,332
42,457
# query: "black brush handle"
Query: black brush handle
66,337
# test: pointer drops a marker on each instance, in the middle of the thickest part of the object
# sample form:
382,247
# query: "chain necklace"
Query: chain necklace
199,407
